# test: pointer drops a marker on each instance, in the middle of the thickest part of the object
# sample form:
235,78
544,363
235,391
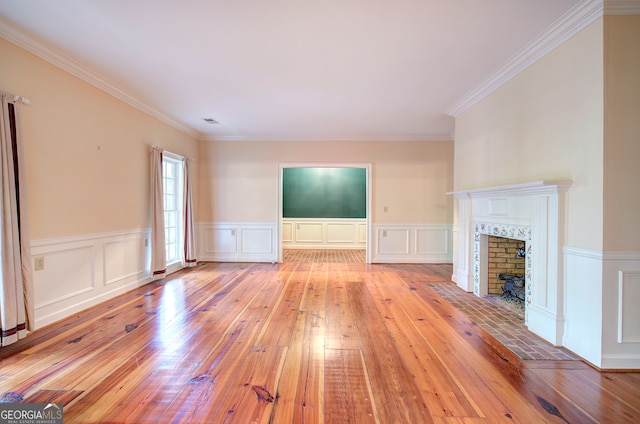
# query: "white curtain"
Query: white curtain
16,294
158,248
189,230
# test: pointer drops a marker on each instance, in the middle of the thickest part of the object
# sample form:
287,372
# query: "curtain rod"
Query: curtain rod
169,153
23,100
16,98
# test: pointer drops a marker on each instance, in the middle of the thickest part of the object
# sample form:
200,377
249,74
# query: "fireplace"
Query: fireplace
532,214
487,236
505,266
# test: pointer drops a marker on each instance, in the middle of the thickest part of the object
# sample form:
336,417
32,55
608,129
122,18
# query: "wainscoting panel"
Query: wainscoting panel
74,273
287,233
309,232
257,241
628,311
602,318
362,234
621,319
73,280
341,233
237,242
324,233
219,240
406,243
583,286
432,242
124,259
393,241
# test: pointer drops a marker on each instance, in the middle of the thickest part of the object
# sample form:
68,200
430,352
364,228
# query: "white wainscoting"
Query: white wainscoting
583,303
621,314
324,233
412,243
82,271
602,314
237,242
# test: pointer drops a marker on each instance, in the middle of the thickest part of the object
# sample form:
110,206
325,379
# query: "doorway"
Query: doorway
325,165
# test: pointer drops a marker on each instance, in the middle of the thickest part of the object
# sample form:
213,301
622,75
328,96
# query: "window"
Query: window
172,179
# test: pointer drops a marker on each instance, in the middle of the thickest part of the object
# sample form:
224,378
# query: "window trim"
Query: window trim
178,262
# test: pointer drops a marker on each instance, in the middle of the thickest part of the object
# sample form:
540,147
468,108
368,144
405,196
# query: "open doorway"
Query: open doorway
318,225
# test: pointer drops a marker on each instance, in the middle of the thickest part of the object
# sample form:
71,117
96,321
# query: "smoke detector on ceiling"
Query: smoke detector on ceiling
210,121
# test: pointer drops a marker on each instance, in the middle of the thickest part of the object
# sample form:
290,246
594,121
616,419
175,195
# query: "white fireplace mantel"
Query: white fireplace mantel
534,187
534,212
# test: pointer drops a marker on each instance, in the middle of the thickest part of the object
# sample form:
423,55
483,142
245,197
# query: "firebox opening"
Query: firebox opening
506,271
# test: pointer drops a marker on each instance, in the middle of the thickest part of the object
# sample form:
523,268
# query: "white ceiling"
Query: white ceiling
295,69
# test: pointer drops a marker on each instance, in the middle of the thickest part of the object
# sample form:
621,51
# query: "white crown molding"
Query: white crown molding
560,31
331,137
622,7
18,38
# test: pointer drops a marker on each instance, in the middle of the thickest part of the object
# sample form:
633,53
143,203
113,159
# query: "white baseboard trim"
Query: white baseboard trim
620,362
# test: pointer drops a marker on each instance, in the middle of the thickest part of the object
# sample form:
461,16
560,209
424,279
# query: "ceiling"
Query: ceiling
295,69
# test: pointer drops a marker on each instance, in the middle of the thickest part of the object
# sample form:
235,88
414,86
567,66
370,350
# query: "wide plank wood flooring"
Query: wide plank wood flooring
299,342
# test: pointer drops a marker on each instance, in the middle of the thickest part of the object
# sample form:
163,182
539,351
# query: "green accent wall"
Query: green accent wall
324,193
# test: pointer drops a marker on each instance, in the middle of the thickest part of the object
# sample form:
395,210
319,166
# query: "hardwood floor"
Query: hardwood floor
299,342
324,255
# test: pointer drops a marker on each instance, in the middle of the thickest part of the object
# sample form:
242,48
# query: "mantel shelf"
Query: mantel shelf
535,187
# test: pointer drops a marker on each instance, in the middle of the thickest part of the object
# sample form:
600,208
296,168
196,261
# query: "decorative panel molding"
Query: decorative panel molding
124,259
362,233
287,233
219,240
341,233
412,243
430,241
332,233
583,303
309,232
256,241
237,242
628,311
72,266
393,241
82,271
499,207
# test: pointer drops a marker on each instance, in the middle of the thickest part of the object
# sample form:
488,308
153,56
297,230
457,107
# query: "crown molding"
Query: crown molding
21,40
331,137
560,31
622,7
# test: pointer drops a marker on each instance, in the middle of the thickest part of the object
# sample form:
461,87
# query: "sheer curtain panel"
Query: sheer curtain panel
16,279
158,248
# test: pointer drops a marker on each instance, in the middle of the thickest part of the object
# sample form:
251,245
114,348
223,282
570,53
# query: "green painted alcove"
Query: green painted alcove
324,193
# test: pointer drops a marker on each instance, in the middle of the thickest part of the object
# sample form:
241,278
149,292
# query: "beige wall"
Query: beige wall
544,124
239,180
622,133
86,152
